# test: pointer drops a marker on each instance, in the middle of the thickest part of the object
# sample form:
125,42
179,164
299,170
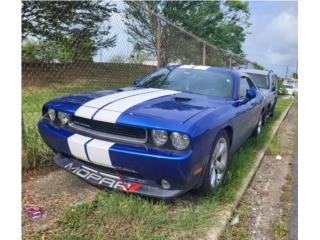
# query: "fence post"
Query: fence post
230,62
158,43
204,54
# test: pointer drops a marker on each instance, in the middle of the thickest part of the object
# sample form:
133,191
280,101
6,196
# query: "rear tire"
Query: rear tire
264,118
217,164
258,128
272,112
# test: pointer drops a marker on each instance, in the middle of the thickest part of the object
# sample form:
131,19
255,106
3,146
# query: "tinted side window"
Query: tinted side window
244,86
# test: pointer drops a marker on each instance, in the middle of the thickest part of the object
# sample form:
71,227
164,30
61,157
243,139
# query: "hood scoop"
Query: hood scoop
182,99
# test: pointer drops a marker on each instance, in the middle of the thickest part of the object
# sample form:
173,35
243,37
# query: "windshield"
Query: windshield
191,80
261,81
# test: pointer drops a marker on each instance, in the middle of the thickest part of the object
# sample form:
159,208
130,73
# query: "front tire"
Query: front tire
217,165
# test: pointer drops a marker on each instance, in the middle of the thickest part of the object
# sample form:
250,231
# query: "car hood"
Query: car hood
131,106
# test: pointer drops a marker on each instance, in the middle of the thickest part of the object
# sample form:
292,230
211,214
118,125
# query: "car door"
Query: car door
256,106
246,111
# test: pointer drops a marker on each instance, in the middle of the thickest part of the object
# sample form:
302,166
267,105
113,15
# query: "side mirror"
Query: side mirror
251,93
136,82
273,89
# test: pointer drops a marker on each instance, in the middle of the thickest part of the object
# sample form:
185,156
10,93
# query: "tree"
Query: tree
138,56
218,22
39,51
118,59
221,23
142,28
257,66
77,28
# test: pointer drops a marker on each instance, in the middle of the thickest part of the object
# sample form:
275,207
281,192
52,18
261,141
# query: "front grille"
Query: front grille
110,131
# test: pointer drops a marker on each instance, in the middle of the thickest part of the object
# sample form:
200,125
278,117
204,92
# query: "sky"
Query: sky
273,38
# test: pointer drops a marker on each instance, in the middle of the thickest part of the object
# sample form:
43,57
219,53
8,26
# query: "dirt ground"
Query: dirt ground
264,210
53,192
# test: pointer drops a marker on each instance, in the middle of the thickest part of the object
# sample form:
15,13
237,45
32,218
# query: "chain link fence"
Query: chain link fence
102,46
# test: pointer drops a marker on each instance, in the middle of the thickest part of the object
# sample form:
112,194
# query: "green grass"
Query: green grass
35,153
116,215
274,146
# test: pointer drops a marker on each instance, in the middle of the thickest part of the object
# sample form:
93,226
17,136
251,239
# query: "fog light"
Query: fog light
165,184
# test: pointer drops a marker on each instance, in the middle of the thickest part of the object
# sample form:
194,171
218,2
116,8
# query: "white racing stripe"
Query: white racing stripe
107,116
186,66
98,152
85,112
101,101
88,109
111,112
76,145
201,67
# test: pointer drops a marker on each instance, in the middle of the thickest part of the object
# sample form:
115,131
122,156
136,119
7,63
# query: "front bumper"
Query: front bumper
149,166
100,177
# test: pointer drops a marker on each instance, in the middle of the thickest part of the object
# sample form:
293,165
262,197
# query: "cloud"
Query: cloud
273,41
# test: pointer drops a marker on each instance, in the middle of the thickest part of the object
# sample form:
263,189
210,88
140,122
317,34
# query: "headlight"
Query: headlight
179,141
52,114
160,137
63,117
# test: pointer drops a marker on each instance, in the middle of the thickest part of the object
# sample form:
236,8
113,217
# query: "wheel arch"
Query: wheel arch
229,131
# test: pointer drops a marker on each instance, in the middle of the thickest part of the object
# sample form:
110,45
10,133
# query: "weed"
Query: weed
279,230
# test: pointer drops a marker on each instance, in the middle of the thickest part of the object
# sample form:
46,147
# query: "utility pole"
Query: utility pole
287,72
204,54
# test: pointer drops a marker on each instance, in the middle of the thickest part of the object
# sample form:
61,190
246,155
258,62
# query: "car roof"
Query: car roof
254,71
203,67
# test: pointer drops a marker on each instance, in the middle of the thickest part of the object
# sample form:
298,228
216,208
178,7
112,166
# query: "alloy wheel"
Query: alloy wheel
219,162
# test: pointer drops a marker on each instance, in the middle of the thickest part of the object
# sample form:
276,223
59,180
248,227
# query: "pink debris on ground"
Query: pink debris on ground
35,212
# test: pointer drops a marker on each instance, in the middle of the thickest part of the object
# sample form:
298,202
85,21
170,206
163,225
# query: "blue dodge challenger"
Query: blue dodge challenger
172,132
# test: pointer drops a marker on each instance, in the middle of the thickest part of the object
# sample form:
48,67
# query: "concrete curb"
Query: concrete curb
226,213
